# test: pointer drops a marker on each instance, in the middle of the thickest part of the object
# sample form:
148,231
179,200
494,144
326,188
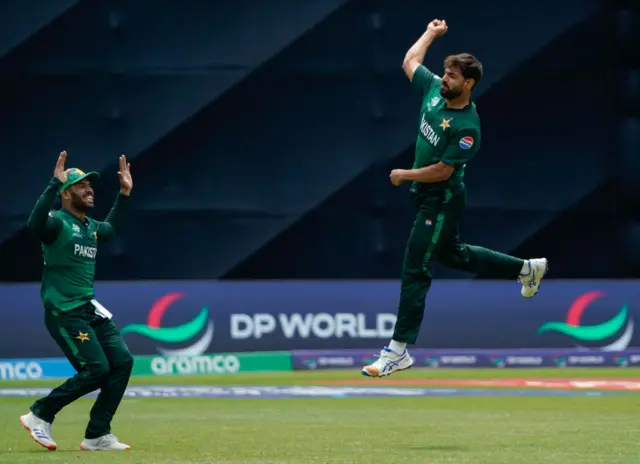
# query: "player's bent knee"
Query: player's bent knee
96,373
125,363
413,273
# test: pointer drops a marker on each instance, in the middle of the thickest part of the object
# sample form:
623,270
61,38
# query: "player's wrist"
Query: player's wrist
430,36
55,183
125,192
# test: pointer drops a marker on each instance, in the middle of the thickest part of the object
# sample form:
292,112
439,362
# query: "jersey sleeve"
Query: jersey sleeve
463,146
423,79
111,225
44,222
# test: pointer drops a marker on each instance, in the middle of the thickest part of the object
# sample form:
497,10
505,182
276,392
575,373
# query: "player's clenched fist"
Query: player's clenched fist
437,27
397,177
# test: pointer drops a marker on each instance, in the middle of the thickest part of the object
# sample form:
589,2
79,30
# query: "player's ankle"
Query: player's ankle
397,347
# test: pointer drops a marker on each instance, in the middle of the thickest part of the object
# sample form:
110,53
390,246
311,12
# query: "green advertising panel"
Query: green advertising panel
214,363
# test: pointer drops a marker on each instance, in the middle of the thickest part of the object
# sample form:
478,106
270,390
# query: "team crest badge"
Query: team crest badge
427,223
434,102
466,142
445,124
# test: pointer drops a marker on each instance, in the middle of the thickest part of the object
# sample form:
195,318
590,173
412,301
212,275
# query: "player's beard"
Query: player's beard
450,94
79,204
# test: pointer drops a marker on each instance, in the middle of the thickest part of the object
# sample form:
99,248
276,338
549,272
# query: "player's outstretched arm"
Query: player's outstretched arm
44,223
108,229
415,56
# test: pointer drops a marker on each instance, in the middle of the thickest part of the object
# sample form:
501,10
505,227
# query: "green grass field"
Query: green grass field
425,430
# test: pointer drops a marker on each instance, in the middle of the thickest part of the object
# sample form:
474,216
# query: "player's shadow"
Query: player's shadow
451,448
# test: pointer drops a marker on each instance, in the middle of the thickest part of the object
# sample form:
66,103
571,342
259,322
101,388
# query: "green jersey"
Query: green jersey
444,134
70,248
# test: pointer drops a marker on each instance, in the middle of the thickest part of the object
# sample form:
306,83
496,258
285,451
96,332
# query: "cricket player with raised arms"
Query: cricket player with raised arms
449,137
79,324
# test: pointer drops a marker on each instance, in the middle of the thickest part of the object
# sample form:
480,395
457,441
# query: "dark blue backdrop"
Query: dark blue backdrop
261,133
459,314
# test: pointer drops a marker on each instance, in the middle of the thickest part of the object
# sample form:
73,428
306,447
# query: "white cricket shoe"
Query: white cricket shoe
388,363
531,281
104,443
40,430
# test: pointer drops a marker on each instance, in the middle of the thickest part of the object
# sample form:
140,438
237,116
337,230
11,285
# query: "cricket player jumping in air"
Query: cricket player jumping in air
449,136
81,326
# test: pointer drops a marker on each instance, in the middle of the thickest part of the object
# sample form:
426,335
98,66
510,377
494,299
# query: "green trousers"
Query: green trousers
94,347
435,235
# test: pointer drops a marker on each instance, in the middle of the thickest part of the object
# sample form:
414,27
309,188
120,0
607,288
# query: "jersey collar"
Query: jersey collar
464,108
74,217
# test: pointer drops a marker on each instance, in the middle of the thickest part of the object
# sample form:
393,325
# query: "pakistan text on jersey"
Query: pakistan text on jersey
429,133
85,251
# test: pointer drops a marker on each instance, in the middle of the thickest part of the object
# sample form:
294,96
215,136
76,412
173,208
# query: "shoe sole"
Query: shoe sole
50,447
82,448
366,374
546,269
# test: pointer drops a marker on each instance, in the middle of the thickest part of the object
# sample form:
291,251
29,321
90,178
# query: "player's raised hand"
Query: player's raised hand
59,171
437,27
126,182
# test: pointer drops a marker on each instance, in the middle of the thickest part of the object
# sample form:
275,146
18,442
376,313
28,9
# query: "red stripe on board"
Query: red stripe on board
580,384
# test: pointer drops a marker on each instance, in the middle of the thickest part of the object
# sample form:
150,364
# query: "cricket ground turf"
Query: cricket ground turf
426,416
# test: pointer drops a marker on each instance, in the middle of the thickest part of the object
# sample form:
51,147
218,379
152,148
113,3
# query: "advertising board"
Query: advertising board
176,318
